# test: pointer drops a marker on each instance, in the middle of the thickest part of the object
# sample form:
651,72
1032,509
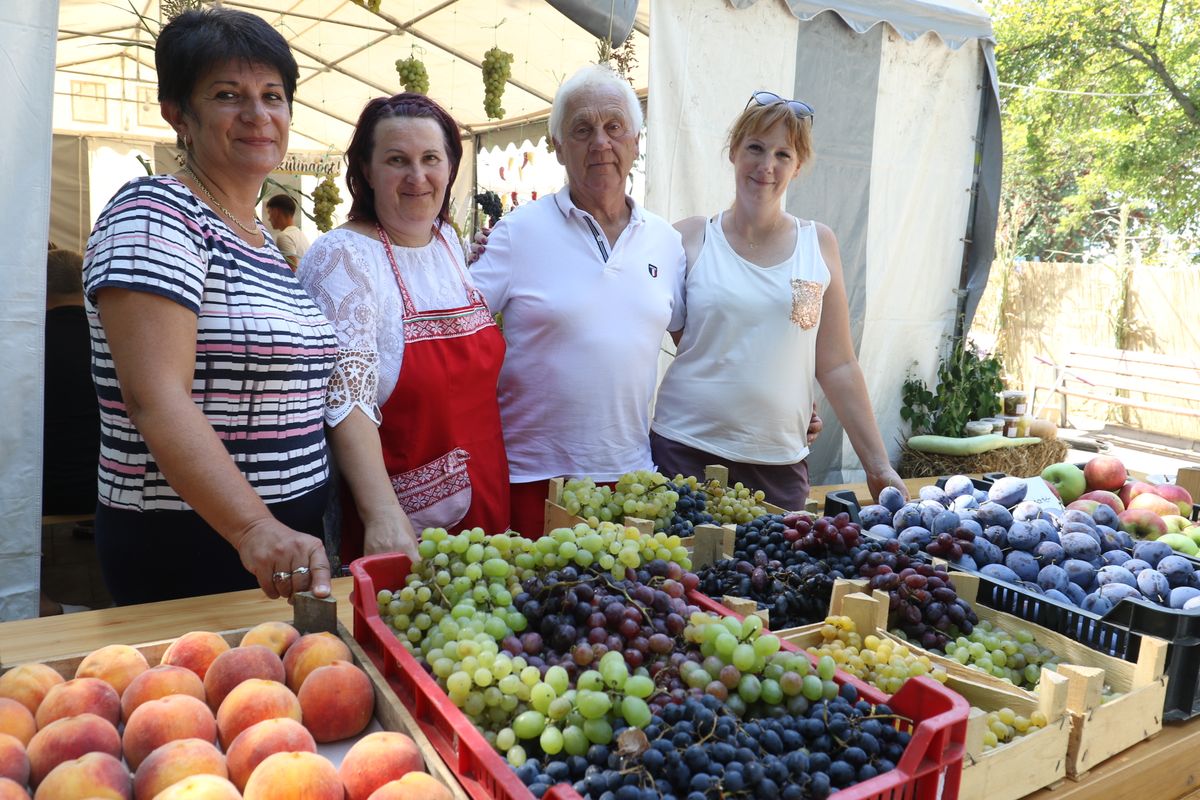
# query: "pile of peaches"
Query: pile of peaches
124,730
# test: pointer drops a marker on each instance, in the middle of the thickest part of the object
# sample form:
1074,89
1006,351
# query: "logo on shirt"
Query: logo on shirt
653,270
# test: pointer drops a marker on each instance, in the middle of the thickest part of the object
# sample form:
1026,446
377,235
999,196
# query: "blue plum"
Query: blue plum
999,572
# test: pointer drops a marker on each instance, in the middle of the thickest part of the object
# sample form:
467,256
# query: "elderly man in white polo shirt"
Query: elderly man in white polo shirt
587,281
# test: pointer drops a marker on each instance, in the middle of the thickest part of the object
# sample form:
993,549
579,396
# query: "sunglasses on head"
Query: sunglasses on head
800,109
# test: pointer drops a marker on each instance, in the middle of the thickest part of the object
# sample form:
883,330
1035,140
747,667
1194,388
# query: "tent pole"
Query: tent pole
475,184
964,274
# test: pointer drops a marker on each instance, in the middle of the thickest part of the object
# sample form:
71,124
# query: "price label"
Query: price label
1038,491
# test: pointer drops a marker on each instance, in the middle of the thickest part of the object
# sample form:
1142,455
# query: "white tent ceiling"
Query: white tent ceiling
346,55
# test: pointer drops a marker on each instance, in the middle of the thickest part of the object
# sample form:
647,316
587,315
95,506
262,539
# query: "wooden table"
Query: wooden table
54,637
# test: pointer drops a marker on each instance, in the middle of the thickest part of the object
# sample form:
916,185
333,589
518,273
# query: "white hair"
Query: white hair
596,77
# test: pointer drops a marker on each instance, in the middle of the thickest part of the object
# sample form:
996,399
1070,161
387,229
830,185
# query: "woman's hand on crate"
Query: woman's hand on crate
884,477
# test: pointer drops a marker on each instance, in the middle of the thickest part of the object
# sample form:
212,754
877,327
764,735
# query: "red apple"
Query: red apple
1152,502
1177,495
1105,472
1142,523
1108,498
1132,490
1088,506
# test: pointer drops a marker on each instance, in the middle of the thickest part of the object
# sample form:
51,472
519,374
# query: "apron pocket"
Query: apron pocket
437,494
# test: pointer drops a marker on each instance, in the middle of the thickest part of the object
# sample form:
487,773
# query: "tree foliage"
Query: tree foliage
1101,109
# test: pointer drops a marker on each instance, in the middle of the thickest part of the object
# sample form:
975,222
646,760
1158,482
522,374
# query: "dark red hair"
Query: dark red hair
362,148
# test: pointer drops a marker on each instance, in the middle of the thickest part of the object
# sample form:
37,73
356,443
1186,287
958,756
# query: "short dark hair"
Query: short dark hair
64,272
284,203
195,41
362,147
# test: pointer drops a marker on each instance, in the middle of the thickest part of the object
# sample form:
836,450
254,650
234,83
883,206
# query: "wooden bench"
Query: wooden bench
1126,378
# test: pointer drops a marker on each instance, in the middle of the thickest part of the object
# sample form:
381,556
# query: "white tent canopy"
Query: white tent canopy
346,55
907,164
906,135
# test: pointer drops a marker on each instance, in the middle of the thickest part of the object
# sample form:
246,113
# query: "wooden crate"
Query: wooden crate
1099,730
313,615
557,516
1006,772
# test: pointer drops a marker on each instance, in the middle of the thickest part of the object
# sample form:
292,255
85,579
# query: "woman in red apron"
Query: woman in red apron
414,421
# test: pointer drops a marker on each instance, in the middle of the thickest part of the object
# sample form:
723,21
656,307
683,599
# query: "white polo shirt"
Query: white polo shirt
584,322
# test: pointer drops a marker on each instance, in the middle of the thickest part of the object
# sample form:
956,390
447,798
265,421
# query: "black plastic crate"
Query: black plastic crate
1117,633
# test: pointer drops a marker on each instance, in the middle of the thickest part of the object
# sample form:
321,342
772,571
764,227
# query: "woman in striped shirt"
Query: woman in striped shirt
210,360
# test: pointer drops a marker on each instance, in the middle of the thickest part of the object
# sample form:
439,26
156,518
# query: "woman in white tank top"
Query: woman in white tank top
767,319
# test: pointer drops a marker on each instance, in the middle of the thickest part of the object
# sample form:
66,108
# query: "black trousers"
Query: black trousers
166,555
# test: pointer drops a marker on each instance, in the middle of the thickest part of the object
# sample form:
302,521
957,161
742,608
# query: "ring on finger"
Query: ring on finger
281,576
300,571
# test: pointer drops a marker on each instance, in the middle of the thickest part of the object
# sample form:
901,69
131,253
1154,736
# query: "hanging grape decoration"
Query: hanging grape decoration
497,67
325,198
370,5
413,75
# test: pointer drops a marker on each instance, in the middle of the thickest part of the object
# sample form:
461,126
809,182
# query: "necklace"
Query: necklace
746,239
252,231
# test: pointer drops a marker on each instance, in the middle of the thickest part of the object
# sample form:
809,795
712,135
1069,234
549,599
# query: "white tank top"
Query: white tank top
741,386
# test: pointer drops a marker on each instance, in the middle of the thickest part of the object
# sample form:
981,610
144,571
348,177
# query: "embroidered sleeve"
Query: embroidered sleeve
354,383
340,282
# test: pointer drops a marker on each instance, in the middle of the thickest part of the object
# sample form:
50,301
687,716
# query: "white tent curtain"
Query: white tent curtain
27,72
898,110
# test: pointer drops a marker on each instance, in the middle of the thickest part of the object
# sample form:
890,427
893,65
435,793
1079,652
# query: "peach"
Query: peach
239,664
14,764
1153,502
11,790
413,786
294,776
278,636
262,739
118,664
16,720
253,701
28,684
92,775
175,761
376,759
309,652
195,651
68,739
337,701
156,722
80,696
158,682
200,787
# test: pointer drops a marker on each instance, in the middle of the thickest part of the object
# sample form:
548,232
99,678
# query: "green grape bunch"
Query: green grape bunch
370,5
325,198
413,75
497,67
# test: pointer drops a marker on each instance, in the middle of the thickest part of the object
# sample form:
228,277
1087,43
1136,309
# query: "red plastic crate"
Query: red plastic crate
930,768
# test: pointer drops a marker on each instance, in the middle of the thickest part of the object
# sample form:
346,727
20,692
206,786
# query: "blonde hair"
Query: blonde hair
758,119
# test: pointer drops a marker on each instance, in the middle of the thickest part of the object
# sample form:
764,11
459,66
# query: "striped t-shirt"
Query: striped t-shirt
264,351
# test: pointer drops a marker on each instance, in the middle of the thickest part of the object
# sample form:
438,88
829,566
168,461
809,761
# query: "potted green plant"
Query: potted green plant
968,386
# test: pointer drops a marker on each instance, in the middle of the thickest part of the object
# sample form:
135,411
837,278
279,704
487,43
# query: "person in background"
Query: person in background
411,409
71,416
587,281
767,319
291,241
210,360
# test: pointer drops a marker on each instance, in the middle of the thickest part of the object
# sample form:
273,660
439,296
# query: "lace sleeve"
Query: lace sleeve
354,383
341,283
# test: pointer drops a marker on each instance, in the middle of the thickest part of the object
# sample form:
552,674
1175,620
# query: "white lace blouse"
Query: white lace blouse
350,279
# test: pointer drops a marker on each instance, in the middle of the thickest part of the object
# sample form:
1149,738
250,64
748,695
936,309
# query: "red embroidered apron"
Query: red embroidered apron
441,438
